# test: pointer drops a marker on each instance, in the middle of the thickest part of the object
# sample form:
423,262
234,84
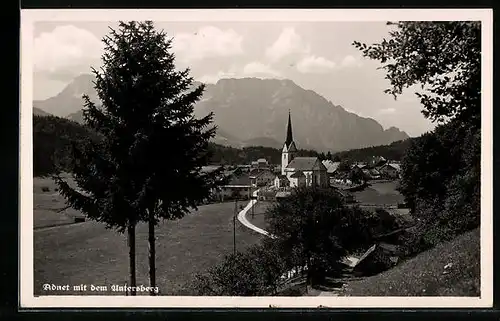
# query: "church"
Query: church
299,171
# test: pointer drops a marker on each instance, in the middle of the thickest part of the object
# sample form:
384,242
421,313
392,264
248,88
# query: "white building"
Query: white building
300,171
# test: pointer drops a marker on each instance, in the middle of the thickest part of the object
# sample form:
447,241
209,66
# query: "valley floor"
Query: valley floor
87,253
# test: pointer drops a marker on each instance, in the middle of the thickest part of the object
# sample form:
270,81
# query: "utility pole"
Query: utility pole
253,204
234,224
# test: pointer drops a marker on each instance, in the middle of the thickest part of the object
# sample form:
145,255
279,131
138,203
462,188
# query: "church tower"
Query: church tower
289,148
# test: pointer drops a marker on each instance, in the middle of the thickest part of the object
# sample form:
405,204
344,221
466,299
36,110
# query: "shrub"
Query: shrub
45,189
414,242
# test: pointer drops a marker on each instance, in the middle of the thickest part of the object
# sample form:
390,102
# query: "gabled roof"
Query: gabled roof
331,167
258,172
297,174
306,164
210,168
395,166
240,180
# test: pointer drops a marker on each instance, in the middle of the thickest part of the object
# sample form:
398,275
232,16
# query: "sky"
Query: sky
315,55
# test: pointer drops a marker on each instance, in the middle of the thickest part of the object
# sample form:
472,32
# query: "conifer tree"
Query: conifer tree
146,165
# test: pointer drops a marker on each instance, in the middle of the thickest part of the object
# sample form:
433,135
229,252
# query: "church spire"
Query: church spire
289,137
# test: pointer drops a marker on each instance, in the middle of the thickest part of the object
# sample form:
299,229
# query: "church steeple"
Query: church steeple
289,136
289,149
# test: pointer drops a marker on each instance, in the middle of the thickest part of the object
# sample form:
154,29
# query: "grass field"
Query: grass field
87,253
425,274
383,192
258,219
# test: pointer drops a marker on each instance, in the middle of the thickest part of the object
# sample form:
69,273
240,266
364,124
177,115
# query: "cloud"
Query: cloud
386,111
350,61
207,42
258,68
212,79
288,43
314,64
66,51
252,69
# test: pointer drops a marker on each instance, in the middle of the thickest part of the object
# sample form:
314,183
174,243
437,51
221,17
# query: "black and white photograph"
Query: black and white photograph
256,158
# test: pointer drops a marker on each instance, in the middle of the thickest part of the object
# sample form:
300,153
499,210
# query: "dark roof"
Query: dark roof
297,174
240,180
306,164
257,172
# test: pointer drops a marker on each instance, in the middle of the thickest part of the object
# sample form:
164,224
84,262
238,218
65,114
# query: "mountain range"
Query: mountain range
254,112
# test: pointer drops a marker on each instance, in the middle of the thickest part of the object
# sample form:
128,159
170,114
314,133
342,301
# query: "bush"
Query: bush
45,189
414,242
255,272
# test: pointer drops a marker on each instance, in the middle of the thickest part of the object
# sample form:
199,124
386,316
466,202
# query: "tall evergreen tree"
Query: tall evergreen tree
147,164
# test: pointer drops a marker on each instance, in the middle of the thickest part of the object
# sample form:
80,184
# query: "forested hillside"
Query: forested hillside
393,151
52,137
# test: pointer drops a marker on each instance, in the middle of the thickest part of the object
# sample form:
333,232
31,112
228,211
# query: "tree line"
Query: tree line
440,169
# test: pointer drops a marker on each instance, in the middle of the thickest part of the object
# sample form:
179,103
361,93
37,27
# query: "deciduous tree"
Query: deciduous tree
442,58
317,226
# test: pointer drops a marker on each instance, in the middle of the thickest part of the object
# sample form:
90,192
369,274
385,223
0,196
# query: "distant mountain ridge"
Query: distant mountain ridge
253,112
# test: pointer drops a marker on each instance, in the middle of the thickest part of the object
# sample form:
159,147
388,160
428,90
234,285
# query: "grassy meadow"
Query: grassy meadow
86,253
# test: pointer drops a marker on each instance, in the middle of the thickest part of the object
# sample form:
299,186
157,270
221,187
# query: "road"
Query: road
243,219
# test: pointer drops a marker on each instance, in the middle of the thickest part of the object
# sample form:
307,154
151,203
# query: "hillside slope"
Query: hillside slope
424,275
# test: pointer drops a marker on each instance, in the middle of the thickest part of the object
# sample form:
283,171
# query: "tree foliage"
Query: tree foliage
441,180
254,272
441,169
52,141
393,151
443,58
318,228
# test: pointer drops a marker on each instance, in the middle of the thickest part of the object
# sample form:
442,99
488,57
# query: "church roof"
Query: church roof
306,164
290,148
289,136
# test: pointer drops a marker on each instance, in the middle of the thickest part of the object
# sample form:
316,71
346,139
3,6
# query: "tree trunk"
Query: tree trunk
152,253
131,253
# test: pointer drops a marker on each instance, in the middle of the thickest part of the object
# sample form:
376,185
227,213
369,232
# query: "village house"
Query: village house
261,177
390,170
260,163
331,168
377,161
238,186
360,165
281,181
245,168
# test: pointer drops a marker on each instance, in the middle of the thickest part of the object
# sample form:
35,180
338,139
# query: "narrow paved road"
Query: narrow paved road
243,219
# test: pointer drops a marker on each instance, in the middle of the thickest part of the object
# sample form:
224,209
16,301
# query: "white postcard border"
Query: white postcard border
26,282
